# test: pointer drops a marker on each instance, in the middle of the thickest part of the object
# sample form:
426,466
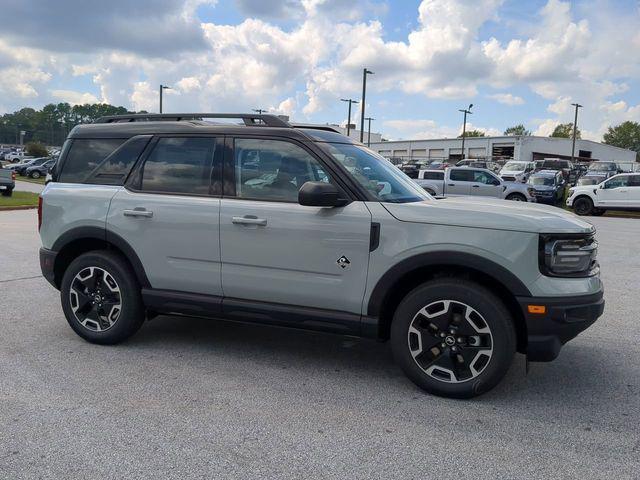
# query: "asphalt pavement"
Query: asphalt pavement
190,398
28,186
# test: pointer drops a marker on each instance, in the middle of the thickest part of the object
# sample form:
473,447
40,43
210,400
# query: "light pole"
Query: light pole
365,72
349,117
162,87
369,119
259,111
575,129
464,125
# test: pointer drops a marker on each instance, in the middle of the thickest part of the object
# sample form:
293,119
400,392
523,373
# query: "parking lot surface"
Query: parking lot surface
190,398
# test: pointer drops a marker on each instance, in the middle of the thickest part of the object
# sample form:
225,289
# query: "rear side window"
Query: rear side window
84,156
179,165
114,169
461,175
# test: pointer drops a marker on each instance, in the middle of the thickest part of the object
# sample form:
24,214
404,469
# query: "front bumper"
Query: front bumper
47,264
564,319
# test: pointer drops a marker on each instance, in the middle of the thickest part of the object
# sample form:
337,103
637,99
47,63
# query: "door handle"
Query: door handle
451,184
249,220
475,186
138,212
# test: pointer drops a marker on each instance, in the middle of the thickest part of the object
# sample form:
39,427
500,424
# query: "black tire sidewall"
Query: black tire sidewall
488,305
132,313
588,202
515,197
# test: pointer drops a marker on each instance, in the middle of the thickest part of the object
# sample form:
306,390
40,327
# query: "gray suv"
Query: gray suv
300,226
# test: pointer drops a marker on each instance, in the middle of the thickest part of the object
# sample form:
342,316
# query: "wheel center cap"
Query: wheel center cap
450,341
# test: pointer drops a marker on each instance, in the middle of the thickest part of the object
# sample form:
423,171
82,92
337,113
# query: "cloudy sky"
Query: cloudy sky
515,60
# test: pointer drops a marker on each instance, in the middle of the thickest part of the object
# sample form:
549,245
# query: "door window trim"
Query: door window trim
215,167
229,171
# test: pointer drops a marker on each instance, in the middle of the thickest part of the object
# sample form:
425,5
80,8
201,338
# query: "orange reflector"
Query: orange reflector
540,309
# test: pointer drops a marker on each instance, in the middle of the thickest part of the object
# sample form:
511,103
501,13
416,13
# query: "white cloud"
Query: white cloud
73,97
507,99
420,129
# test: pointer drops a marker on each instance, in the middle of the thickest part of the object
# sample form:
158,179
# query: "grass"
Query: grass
19,199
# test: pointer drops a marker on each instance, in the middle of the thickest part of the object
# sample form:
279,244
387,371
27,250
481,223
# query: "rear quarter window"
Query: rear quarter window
84,156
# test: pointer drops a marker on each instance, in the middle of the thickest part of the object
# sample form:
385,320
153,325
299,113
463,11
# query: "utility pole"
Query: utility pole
575,129
464,126
365,72
369,119
162,87
349,117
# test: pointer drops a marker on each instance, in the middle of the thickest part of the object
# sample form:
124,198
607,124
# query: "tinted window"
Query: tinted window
84,156
433,175
273,169
461,175
115,168
179,165
634,181
619,181
484,177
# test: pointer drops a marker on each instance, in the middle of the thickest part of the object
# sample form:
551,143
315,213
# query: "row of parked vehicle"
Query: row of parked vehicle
33,167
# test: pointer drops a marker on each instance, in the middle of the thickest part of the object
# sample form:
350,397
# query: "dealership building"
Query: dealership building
527,148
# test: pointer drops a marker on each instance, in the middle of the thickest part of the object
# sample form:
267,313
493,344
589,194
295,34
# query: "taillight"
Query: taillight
39,212
13,174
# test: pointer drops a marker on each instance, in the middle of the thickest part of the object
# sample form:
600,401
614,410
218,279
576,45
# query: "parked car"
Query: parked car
620,192
21,169
37,171
517,171
15,157
411,169
493,166
7,182
609,169
168,220
548,186
457,181
568,170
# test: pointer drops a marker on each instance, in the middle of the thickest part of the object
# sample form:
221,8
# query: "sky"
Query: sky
522,61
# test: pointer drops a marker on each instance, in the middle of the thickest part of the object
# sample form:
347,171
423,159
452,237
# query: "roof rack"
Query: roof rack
326,128
250,120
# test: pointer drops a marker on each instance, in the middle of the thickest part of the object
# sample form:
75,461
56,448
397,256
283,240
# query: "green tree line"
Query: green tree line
52,123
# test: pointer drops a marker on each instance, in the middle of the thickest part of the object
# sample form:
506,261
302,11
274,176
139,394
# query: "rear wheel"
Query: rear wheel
453,338
516,197
8,192
101,298
583,206
35,174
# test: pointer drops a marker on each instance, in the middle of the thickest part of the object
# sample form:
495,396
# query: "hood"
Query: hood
490,213
511,172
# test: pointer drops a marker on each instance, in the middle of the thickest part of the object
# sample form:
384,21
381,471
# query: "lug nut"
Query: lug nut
454,349
444,345
442,334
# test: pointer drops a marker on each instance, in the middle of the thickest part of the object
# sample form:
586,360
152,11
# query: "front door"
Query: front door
486,184
277,251
616,192
169,214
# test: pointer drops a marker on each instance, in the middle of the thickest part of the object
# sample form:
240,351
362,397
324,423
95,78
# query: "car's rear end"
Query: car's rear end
7,181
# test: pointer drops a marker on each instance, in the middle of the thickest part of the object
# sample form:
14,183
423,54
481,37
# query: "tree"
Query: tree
517,130
472,133
625,135
36,149
565,130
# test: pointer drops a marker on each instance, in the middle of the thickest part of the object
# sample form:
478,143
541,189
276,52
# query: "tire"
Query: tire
35,174
516,197
583,206
8,192
486,349
121,313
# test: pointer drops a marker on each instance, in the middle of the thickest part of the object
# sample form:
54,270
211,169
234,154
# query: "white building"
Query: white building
527,148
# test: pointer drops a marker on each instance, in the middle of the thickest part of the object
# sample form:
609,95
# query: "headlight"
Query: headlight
571,190
568,255
532,191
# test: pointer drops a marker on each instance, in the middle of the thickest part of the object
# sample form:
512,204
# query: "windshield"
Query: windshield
541,181
588,181
602,167
376,174
514,167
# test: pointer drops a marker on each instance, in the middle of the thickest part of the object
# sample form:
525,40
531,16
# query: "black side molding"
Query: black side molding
374,238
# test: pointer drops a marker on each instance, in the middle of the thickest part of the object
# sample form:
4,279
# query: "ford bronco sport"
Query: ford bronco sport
300,226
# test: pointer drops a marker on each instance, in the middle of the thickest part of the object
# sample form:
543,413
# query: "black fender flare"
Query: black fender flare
442,259
109,237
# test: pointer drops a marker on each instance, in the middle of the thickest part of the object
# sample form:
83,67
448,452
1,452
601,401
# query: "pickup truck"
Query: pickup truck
457,181
7,182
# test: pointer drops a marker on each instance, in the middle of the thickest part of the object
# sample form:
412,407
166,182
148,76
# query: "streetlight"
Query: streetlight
365,72
349,117
369,119
259,111
575,129
464,125
162,87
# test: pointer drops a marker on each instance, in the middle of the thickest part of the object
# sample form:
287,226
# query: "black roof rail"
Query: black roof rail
250,119
326,128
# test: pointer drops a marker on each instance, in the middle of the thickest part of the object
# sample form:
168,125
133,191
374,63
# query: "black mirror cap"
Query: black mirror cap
320,194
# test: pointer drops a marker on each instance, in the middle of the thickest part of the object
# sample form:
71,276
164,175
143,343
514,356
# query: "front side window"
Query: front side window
616,182
179,165
377,175
274,170
484,177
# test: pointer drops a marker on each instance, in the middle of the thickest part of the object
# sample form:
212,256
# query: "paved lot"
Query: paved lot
192,398
28,187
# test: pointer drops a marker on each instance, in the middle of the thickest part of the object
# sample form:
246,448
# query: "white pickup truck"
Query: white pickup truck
457,181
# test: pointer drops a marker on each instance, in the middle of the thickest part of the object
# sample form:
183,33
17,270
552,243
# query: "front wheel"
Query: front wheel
583,206
453,338
101,298
35,174
516,197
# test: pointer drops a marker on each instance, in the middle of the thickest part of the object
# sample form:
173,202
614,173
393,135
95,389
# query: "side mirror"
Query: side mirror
320,194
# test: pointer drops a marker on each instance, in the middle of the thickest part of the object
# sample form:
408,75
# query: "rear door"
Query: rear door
276,251
458,182
169,213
